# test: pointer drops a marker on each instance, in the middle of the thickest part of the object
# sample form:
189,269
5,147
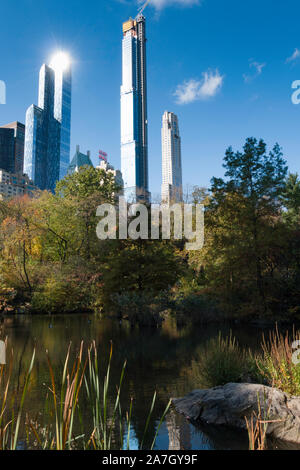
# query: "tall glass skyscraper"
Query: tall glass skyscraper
171,190
134,124
62,110
47,133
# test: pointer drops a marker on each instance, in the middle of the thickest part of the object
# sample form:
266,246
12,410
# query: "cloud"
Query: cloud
293,57
160,4
194,90
258,68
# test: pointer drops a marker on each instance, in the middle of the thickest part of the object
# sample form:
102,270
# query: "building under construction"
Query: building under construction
134,124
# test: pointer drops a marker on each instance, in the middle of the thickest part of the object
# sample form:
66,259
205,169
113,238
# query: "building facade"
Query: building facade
117,174
79,160
171,190
134,124
7,149
15,184
62,112
47,135
16,158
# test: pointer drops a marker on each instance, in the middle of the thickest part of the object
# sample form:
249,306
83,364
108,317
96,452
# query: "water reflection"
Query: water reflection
157,360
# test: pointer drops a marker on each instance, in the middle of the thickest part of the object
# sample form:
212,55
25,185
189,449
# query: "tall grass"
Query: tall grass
275,364
107,418
78,388
65,408
101,437
220,361
257,426
11,407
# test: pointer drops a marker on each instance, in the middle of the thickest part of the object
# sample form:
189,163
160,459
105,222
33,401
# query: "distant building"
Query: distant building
7,143
15,184
171,159
79,160
134,123
12,160
48,125
108,168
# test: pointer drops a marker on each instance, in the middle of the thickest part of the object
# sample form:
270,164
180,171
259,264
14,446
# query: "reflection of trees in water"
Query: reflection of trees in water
157,359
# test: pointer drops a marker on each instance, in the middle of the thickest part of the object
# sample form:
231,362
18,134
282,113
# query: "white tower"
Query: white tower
171,190
134,124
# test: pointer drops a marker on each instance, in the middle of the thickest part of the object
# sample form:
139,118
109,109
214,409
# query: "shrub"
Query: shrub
7,298
60,294
221,361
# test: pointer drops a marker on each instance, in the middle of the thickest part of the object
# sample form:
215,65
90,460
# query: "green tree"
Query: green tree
291,197
88,181
241,221
87,189
139,266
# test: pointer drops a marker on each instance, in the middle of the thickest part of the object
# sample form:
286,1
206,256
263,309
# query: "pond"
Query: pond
161,360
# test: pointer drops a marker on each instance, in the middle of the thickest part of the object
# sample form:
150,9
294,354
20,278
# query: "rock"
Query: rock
230,404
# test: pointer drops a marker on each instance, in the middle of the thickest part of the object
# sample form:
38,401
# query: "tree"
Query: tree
291,197
240,219
87,189
139,266
88,181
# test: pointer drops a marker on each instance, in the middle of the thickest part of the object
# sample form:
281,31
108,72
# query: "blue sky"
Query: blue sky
225,67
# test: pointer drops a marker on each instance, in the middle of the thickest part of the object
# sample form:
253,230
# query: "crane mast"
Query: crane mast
143,8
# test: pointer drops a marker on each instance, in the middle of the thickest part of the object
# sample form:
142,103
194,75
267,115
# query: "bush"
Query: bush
220,362
7,298
60,294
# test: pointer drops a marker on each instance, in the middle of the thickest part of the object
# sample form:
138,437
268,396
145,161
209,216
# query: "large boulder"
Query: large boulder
231,403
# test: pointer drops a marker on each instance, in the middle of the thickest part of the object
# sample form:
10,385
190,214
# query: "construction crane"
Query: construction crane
142,9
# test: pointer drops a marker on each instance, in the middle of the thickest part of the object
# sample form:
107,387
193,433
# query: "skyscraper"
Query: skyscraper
47,135
79,160
62,107
42,135
12,153
171,159
7,150
134,124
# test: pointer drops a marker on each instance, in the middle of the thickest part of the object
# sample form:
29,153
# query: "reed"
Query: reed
78,387
12,405
257,426
65,408
101,437
276,365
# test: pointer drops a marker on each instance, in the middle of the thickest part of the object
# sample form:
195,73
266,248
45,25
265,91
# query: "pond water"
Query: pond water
162,360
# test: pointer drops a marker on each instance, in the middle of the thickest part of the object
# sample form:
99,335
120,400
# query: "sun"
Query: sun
60,61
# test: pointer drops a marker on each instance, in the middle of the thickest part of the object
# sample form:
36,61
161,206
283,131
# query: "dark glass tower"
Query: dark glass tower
17,161
7,146
134,124
42,136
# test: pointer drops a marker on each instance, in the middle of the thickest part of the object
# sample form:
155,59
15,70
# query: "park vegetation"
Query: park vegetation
51,260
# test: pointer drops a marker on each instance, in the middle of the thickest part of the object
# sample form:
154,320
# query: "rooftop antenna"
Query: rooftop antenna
142,9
